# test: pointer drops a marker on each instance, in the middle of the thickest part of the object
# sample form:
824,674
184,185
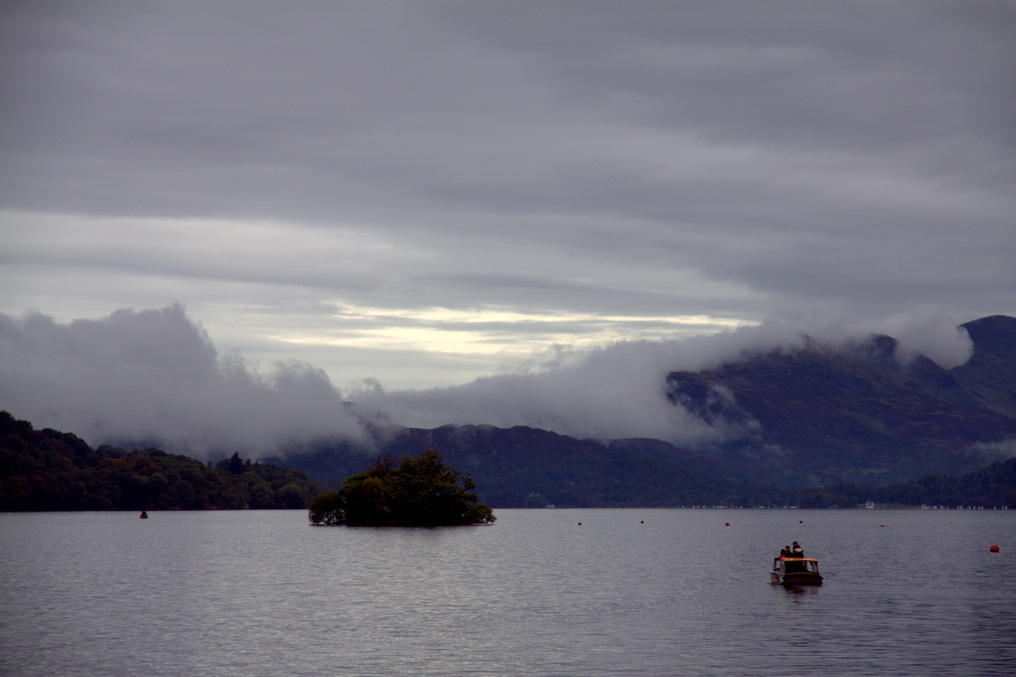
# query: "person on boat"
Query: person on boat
784,552
798,551
144,514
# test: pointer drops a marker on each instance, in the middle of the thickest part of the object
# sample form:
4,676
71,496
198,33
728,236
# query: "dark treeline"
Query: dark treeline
990,487
51,470
529,468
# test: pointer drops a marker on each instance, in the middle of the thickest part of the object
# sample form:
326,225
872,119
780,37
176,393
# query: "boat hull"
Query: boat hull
802,578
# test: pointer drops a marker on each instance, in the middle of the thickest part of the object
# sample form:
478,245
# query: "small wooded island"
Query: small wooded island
420,491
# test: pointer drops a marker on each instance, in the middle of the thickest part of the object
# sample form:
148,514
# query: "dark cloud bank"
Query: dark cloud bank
284,168
377,188
156,376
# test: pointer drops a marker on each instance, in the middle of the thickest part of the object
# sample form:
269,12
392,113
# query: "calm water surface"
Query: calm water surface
629,592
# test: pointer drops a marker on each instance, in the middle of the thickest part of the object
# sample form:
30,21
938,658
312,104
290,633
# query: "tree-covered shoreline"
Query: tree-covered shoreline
43,470
47,470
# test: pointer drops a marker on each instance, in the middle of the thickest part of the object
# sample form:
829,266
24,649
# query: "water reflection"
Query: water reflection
796,593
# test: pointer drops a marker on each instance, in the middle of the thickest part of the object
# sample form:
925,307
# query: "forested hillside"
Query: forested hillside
990,487
528,467
51,470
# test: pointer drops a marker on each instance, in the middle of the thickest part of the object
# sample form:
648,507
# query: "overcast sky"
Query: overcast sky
426,193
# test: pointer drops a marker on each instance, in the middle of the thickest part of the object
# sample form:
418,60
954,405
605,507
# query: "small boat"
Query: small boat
795,571
144,514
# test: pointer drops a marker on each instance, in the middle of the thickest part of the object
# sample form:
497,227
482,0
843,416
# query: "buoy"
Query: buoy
950,521
726,524
642,521
993,548
883,523
800,521
580,523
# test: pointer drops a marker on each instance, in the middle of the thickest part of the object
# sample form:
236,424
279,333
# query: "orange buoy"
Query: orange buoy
993,548
950,522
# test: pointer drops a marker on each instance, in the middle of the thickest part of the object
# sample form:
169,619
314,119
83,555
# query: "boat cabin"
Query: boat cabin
795,571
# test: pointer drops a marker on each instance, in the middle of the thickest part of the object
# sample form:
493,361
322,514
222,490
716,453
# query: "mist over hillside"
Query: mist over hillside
805,416
156,376
860,413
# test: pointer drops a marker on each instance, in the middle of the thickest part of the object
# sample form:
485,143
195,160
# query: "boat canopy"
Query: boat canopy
796,564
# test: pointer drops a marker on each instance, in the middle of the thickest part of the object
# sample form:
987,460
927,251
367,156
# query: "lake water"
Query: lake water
629,592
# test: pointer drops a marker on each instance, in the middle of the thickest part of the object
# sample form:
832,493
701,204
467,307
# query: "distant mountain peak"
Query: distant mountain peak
877,350
994,334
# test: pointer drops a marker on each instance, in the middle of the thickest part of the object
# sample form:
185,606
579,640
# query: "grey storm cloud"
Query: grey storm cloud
431,193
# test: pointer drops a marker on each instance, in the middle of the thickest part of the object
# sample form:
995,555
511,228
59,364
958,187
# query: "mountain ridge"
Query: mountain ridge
817,415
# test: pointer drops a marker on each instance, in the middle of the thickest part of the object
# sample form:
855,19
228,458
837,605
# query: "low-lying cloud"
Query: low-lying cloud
155,376
618,391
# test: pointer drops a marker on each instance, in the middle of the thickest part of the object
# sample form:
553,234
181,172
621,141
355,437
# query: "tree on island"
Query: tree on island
421,491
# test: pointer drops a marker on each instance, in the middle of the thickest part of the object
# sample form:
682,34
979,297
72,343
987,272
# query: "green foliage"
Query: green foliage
50,470
419,491
328,509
